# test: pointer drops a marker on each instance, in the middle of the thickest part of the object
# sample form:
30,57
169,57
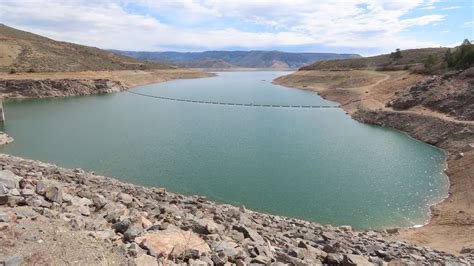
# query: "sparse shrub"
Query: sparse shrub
12,71
397,54
430,61
31,70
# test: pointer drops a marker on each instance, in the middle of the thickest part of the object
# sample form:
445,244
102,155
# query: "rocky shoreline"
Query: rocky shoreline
147,226
452,225
54,215
30,88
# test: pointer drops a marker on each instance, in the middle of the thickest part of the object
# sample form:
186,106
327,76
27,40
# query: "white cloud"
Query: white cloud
108,24
452,7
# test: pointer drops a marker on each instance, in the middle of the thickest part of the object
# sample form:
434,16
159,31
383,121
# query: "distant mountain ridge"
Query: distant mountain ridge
229,59
23,51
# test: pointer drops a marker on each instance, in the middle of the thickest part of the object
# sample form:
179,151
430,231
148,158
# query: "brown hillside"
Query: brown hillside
23,51
409,58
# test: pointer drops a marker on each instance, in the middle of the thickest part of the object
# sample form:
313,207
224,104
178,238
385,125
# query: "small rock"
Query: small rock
146,260
121,226
249,233
346,228
132,232
466,250
125,198
355,260
328,236
240,262
13,261
261,259
229,248
7,216
392,230
27,192
99,201
40,188
145,223
78,201
134,250
102,235
334,258
54,194
219,259
4,226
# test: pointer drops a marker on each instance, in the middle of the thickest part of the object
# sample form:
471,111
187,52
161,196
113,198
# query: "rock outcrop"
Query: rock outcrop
451,94
449,136
5,138
147,226
31,88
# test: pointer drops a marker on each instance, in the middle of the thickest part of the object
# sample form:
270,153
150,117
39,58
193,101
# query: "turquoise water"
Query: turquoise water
315,164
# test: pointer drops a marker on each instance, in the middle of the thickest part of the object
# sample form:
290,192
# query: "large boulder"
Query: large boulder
172,240
9,179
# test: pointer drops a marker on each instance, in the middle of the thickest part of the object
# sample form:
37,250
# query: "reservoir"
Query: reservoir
317,164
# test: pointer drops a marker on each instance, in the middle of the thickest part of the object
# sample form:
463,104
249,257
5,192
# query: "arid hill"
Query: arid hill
405,60
21,51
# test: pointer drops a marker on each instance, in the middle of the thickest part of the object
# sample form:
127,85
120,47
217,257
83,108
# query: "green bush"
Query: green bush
396,55
462,57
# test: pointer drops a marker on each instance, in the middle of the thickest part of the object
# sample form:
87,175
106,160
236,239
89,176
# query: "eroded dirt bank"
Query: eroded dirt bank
436,110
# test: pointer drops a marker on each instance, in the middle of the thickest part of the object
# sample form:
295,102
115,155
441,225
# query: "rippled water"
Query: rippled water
316,164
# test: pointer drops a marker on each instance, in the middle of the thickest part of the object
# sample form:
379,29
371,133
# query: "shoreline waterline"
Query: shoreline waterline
304,95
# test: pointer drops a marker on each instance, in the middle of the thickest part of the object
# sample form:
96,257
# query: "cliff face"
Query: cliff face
29,88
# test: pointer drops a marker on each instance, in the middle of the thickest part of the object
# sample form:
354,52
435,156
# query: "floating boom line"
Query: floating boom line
234,104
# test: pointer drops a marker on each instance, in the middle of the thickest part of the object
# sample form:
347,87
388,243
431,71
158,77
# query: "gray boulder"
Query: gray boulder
9,179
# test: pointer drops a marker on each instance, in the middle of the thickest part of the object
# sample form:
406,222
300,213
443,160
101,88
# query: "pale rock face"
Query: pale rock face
172,240
9,179
28,88
5,139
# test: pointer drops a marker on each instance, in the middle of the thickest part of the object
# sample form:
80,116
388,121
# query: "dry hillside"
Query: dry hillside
22,51
408,59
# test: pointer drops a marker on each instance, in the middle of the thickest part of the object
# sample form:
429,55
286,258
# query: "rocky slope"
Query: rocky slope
451,94
29,88
47,212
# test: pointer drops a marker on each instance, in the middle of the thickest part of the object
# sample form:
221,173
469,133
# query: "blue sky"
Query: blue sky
353,26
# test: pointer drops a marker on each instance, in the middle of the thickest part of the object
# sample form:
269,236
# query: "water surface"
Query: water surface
316,164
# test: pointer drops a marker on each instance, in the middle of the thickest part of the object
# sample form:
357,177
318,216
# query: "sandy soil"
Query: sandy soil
52,242
131,78
452,223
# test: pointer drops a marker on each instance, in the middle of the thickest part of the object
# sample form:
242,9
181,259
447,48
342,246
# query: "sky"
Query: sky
366,27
